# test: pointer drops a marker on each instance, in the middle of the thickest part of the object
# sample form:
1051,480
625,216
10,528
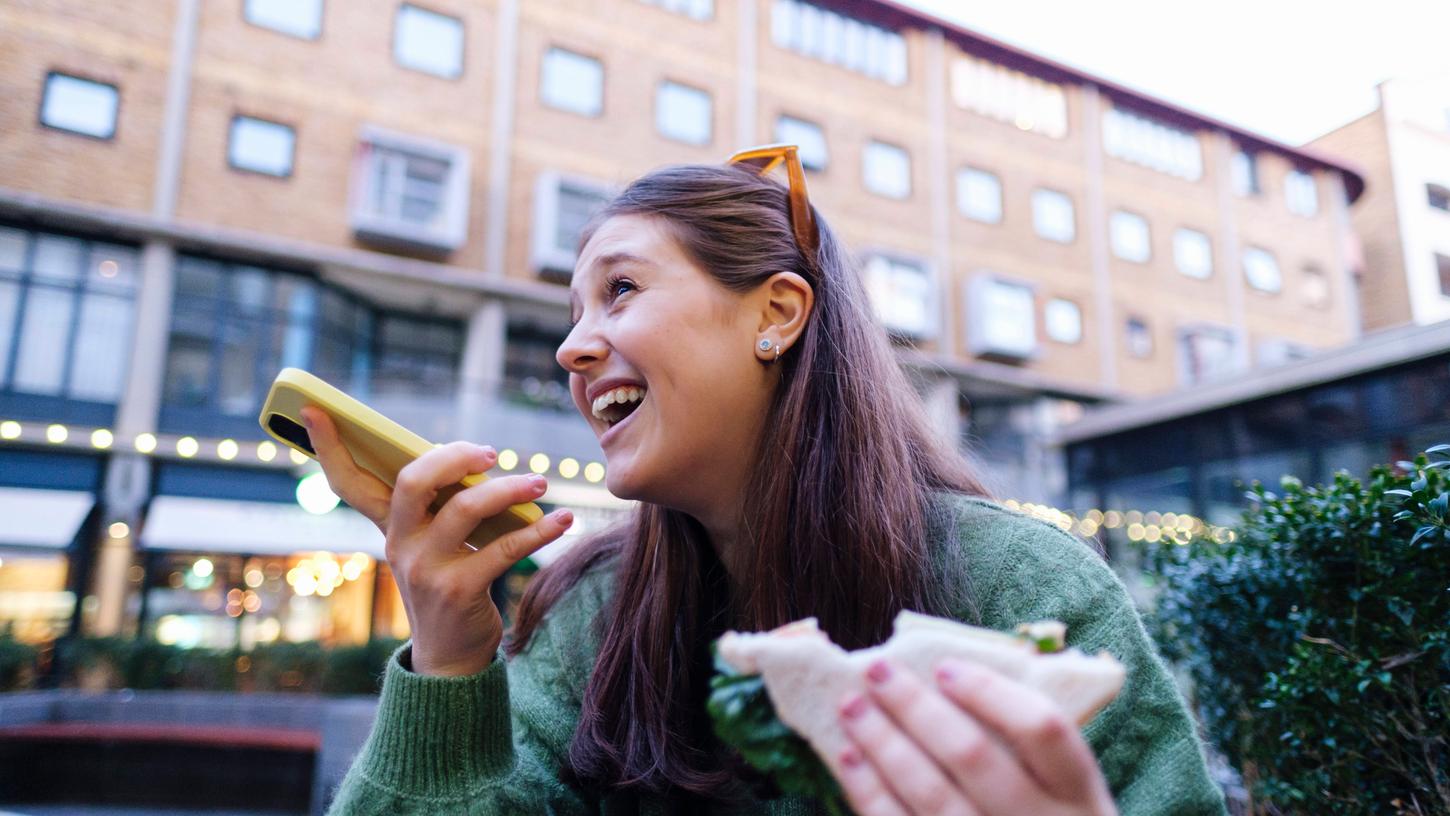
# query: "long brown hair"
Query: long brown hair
836,520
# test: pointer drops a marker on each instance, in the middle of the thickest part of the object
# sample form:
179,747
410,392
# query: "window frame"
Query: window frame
1128,324
231,139
1248,276
316,35
867,152
660,88
1249,161
544,99
1185,379
1178,234
1437,197
448,235
1047,308
896,262
45,87
1301,193
546,258
978,342
1043,194
963,173
804,154
428,12
1120,216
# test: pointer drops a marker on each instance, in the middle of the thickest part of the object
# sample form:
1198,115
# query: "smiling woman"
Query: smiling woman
724,352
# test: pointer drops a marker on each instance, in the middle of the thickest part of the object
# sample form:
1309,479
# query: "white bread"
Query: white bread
806,675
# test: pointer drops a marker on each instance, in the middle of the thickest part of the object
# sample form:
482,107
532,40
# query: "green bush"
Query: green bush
1319,641
17,661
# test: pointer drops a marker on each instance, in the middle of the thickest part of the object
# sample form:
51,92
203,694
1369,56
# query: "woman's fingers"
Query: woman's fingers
913,776
418,482
362,491
864,787
466,508
1047,743
505,551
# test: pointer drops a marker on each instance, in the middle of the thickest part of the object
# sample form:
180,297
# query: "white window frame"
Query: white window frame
1006,95
1252,257
1046,197
271,15
701,10
979,308
838,39
1244,173
662,121
237,162
1181,259
1124,231
545,256
870,181
1128,336
427,65
1143,140
547,97
56,114
449,232
966,177
1231,366
894,265
1060,306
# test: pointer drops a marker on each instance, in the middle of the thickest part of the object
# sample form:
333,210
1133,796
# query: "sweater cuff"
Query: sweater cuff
439,736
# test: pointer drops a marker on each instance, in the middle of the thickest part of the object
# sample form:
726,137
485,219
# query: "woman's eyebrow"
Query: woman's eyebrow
618,258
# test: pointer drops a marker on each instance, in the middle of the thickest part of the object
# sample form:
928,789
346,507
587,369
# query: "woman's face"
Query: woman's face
663,366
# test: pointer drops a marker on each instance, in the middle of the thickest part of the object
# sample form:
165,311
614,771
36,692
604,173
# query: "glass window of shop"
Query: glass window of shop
531,372
226,601
66,311
35,606
235,325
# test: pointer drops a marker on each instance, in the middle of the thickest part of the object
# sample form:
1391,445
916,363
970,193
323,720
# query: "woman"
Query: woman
724,352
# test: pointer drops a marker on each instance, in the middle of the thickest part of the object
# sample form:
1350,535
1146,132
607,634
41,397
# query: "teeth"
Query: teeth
621,395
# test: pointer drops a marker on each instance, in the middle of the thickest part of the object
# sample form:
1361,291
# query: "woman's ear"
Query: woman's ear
785,301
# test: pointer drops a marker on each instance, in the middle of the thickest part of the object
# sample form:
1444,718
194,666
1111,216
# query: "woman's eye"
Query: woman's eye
618,288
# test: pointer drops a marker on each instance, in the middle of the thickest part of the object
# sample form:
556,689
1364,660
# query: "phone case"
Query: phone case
378,445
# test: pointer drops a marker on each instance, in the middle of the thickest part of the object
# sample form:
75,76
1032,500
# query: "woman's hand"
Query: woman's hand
456,627
978,744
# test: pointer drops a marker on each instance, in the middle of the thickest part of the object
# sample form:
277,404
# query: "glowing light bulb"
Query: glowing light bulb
594,472
186,447
507,459
315,496
119,529
266,451
539,463
102,438
56,434
145,443
9,429
227,449
568,468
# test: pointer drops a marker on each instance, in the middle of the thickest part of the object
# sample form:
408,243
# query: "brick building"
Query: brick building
195,194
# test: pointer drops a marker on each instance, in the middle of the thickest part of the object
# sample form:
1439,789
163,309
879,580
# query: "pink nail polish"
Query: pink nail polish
854,707
945,675
563,517
536,481
851,758
878,672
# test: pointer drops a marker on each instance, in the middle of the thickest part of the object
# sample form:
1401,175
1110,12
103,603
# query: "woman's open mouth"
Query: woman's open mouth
617,404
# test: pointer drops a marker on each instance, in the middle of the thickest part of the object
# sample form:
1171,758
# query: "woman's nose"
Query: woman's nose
580,350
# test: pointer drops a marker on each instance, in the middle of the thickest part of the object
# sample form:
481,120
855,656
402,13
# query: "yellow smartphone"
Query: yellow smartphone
377,444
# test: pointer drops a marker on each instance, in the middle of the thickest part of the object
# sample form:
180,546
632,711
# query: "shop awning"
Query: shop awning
30,517
260,528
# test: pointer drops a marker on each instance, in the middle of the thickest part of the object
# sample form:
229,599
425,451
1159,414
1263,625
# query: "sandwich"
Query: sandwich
775,694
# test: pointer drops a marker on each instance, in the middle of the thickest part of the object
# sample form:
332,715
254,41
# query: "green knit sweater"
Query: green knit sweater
493,743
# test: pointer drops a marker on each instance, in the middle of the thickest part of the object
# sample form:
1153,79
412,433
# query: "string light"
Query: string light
119,529
568,467
539,463
594,472
266,451
187,446
227,449
56,434
9,429
145,443
507,459
101,438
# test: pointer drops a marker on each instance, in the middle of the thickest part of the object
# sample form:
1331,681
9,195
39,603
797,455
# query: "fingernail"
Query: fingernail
854,707
878,672
945,674
306,421
851,757
537,481
489,451
563,517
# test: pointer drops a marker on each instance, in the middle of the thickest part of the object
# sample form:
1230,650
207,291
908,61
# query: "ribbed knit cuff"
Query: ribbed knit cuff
439,736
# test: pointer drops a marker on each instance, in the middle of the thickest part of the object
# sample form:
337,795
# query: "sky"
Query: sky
1288,69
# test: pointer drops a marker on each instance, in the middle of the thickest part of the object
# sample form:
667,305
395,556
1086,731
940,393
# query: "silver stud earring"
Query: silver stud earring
765,345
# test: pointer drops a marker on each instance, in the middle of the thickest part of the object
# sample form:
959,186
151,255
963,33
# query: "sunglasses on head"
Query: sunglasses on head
766,158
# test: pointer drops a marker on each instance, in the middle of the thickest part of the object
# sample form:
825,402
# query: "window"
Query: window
234,325
834,38
1439,197
903,295
1138,338
1315,286
1052,216
696,9
886,170
1262,270
410,191
1300,194
562,208
1001,318
1442,270
979,195
531,371
1277,352
1129,236
1206,353
80,106
66,313
572,82
1063,320
1000,93
808,136
1192,253
260,146
1244,168
682,113
428,41
299,18
1142,140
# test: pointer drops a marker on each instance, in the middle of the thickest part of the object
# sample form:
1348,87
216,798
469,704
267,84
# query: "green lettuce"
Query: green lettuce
745,719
